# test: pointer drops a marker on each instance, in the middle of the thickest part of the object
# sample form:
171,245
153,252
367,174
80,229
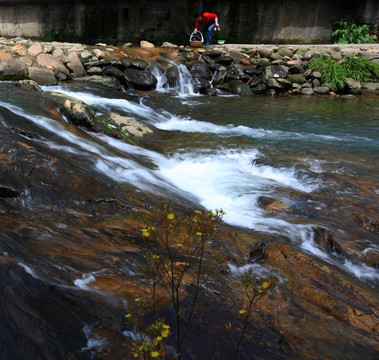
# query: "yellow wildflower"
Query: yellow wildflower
171,216
199,233
155,354
145,233
180,245
158,339
128,316
266,284
165,333
242,311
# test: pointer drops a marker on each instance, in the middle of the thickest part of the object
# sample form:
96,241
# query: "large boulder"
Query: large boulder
42,76
35,49
75,64
159,101
115,72
172,74
140,80
240,88
128,127
353,86
138,63
201,69
13,69
77,112
52,63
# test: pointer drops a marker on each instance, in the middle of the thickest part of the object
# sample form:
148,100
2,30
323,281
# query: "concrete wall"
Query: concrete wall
243,21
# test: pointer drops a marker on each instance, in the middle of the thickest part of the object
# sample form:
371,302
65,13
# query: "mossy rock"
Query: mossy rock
297,79
284,51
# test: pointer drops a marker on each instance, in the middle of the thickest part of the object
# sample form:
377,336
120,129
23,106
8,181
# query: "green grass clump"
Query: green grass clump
332,73
361,69
335,73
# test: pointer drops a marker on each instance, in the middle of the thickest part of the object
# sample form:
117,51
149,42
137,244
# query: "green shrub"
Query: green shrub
347,32
50,34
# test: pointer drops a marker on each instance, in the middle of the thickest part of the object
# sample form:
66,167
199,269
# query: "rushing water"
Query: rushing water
230,151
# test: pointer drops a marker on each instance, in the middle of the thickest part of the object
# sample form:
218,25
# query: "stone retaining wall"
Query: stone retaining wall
254,21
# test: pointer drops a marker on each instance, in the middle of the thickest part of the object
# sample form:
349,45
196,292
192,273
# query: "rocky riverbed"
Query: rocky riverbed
237,69
62,226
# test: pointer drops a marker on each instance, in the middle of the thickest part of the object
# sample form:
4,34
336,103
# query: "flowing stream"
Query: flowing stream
231,151
315,158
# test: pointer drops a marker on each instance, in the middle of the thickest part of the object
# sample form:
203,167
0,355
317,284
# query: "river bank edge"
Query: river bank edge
239,69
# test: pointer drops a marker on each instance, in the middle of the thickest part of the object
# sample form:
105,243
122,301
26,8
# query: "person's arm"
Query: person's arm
216,22
197,25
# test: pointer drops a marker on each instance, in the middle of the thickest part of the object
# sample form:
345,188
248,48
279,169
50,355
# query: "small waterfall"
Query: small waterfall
183,82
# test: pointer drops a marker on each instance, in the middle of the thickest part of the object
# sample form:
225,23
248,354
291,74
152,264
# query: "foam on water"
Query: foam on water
229,179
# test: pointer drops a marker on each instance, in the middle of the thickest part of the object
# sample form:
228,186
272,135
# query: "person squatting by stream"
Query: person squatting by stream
208,22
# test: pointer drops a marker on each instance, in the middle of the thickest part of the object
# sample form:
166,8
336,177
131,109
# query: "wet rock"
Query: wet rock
278,71
284,83
225,60
201,69
260,89
254,81
322,90
263,62
272,205
240,88
264,52
209,91
139,64
296,78
173,76
296,69
128,126
115,72
141,80
221,76
252,70
257,253
29,85
370,87
211,62
161,102
366,222
324,239
7,192
78,112
285,51
190,56
200,84
306,91
13,69
353,86
273,84
102,80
